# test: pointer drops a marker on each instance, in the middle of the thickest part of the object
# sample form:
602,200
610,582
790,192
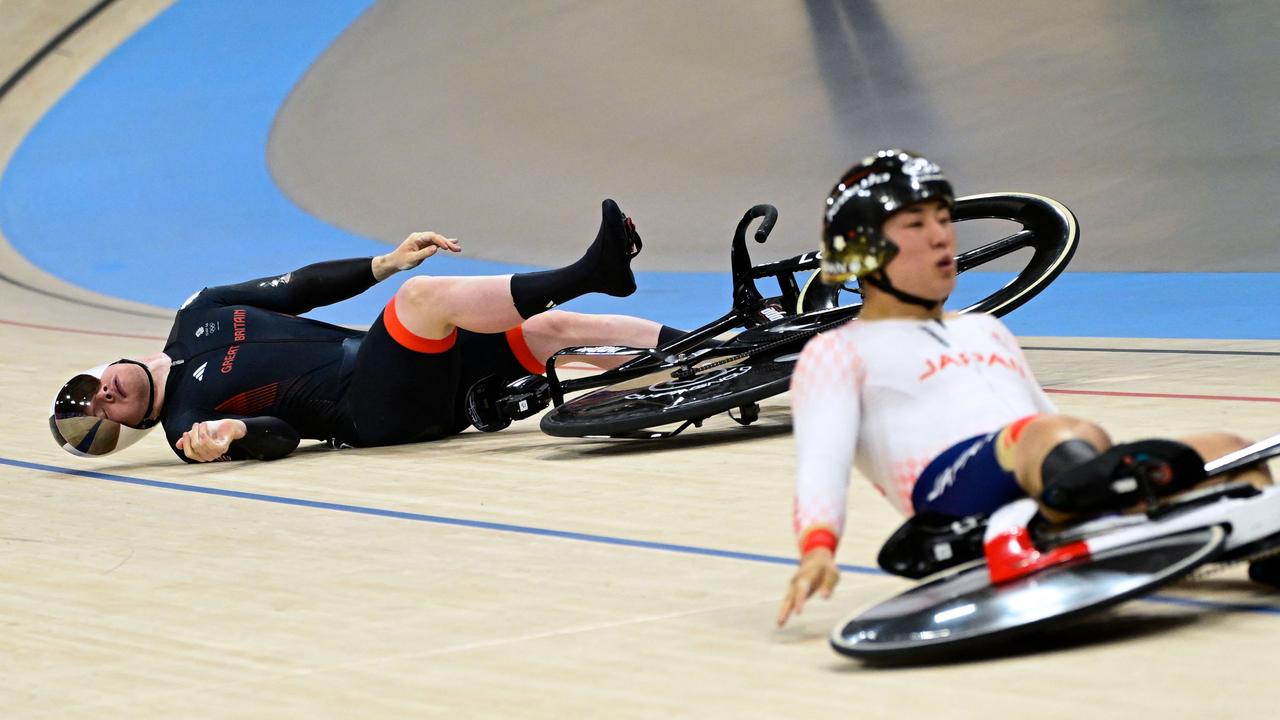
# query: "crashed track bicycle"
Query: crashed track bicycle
699,375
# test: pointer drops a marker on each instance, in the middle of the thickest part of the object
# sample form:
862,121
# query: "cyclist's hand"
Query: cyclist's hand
207,441
417,247
817,573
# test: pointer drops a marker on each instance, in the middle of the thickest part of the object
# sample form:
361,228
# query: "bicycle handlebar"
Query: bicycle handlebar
745,294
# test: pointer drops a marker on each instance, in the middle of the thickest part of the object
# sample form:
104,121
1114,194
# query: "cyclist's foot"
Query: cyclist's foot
492,404
605,267
609,257
1124,476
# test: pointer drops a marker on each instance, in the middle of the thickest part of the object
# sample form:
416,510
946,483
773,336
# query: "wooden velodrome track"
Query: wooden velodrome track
516,574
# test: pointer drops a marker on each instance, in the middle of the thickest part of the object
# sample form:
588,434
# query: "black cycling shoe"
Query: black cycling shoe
482,405
930,542
1125,475
1266,571
616,244
492,405
525,396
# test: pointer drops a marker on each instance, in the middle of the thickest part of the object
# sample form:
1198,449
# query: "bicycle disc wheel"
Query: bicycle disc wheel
961,611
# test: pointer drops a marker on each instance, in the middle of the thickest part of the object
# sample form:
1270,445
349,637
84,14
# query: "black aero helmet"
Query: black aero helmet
853,243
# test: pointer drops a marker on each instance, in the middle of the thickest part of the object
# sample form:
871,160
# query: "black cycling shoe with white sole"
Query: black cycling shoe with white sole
1125,475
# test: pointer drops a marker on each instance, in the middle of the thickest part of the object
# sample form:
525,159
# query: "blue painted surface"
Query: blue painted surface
150,175
149,180
1163,305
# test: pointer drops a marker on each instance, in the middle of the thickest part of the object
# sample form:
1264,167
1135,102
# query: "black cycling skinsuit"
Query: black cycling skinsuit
240,351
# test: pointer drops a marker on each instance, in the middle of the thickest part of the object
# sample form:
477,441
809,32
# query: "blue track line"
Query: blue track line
542,532
1211,605
420,517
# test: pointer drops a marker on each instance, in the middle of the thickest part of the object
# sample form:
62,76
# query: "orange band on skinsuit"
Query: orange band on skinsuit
1013,432
515,338
1009,438
407,339
818,537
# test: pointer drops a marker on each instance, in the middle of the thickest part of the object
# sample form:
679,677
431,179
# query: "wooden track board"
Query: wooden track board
520,575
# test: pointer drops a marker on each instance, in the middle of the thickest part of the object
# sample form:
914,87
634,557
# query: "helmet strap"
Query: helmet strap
880,281
151,395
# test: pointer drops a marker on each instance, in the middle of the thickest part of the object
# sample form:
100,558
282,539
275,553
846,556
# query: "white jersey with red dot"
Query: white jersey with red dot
895,394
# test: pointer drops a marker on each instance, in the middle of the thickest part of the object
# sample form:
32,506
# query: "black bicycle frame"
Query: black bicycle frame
1049,228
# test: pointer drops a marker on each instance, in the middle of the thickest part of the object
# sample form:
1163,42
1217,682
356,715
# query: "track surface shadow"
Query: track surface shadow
691,439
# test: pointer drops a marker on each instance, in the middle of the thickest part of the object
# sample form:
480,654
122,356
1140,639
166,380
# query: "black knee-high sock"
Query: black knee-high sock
666,334
537,292
605,267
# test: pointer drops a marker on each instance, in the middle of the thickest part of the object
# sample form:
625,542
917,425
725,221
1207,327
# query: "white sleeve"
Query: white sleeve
825,391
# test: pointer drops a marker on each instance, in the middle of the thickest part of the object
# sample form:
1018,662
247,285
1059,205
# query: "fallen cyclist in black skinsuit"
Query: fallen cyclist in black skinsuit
243,376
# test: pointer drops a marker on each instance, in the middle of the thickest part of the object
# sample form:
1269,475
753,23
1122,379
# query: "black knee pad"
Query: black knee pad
1064,456
1124,475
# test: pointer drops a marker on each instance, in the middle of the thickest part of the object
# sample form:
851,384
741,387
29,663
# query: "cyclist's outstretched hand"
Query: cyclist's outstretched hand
411,252
817,574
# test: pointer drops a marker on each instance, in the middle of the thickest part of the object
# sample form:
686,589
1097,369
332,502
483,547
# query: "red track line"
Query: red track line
80,332
1167,396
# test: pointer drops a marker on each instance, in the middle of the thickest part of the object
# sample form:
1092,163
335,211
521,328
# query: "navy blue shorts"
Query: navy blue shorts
968,478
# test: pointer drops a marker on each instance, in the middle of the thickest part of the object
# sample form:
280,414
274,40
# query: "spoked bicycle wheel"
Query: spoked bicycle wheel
961,611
